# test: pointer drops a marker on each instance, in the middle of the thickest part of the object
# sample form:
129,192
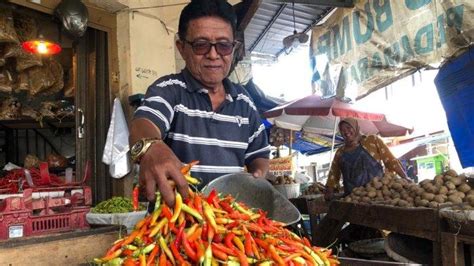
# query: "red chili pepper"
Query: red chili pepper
228,240
198,204
195,235
205,229
261,243
226,206
224,249
162,261
151,257
166,212
219,253
129,262
179,235
177,255
232,225
135,197
218,238
185,169
212,197
189,250
114,247
248,245
127,252
306,242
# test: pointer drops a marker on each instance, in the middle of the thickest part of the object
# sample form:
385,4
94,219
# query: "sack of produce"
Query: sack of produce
10,109
6,81
25,27
7,29
117,210
56,160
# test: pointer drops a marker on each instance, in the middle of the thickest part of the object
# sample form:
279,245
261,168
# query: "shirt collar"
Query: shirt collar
192,85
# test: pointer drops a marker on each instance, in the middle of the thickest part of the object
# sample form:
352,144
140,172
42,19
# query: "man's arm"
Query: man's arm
159,164
258,167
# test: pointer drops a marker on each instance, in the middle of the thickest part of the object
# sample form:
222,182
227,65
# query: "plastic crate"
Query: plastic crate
22,223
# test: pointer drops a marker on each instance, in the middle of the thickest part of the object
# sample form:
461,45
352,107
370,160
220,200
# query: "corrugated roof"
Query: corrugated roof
273,21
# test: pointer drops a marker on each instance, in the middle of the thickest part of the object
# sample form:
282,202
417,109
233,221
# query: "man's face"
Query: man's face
211,68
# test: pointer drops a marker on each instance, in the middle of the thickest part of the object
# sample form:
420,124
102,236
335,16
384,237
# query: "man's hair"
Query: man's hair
206,8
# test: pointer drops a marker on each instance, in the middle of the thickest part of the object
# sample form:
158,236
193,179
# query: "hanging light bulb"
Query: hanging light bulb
41,47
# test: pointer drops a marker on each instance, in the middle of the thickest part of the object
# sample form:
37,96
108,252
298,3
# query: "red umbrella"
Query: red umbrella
320,115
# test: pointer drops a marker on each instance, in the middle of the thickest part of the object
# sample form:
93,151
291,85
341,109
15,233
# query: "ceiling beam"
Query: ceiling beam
267,28
329,3
246,12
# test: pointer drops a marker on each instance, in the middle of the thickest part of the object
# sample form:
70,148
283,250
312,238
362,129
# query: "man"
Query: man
198,114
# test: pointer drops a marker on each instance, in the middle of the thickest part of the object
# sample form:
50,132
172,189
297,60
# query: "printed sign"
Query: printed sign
365,48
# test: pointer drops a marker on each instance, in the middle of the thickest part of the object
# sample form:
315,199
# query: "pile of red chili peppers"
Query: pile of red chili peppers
210,231
14,179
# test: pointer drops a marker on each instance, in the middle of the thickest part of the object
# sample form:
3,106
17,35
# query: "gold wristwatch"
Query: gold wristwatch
141,147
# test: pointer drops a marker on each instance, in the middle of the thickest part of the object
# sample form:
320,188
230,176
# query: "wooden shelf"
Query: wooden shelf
29,123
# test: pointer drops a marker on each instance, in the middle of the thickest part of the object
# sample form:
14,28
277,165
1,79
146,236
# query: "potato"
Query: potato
470,200
457,180
424,203
379,194
366,199
454,199
443,190
450,185
470,192
371,189
431,188
433,204
385,181
372,194
459,194
439,198
464,187
428,196
424,182
451,172
386,192
402,203
378,185
348,199
397,186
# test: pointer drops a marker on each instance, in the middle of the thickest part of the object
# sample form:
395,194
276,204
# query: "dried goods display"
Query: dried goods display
448,188
212,230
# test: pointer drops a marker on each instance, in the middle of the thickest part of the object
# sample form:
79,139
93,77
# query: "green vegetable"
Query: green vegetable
115,205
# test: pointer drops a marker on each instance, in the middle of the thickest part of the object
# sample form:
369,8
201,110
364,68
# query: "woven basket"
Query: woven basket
290,191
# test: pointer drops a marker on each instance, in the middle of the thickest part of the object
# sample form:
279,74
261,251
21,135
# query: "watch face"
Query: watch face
137,147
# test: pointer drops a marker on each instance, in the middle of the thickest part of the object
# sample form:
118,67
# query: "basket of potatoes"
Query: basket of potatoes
287,186
446,189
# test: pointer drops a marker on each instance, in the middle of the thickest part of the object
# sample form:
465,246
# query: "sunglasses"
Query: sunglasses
202,47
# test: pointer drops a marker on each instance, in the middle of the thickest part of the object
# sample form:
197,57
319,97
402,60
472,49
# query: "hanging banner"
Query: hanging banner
365,48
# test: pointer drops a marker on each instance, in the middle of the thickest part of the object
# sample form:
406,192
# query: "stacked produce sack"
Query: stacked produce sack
212,230
448,188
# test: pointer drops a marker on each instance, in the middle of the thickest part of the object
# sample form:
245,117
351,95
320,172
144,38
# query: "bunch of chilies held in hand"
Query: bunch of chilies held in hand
209,231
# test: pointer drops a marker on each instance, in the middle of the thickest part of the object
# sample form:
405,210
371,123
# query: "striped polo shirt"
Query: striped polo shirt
223,140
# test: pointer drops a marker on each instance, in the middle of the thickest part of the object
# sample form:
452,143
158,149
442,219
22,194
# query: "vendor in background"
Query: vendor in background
359,159
198,114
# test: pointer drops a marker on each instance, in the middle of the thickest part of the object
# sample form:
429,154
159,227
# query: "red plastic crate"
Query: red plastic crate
19,217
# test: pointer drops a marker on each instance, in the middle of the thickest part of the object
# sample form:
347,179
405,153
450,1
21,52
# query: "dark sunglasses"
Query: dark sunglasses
202,47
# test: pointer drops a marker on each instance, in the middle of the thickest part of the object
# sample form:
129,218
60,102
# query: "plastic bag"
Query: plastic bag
7,30
22,82
116,146
12,50
11,109
74,17
26,60
57,74
2,55
25,27
6,81
56,160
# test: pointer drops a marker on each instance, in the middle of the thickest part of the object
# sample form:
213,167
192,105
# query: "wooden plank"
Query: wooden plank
451,254
420,222
73,248
317,206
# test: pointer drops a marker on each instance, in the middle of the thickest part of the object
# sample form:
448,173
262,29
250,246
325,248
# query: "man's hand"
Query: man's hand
160,168
329,193
258,167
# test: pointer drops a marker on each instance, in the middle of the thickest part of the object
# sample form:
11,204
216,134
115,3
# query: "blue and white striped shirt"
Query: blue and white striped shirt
223,140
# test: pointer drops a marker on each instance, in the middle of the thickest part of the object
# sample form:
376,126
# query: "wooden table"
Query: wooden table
71,248
419,222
